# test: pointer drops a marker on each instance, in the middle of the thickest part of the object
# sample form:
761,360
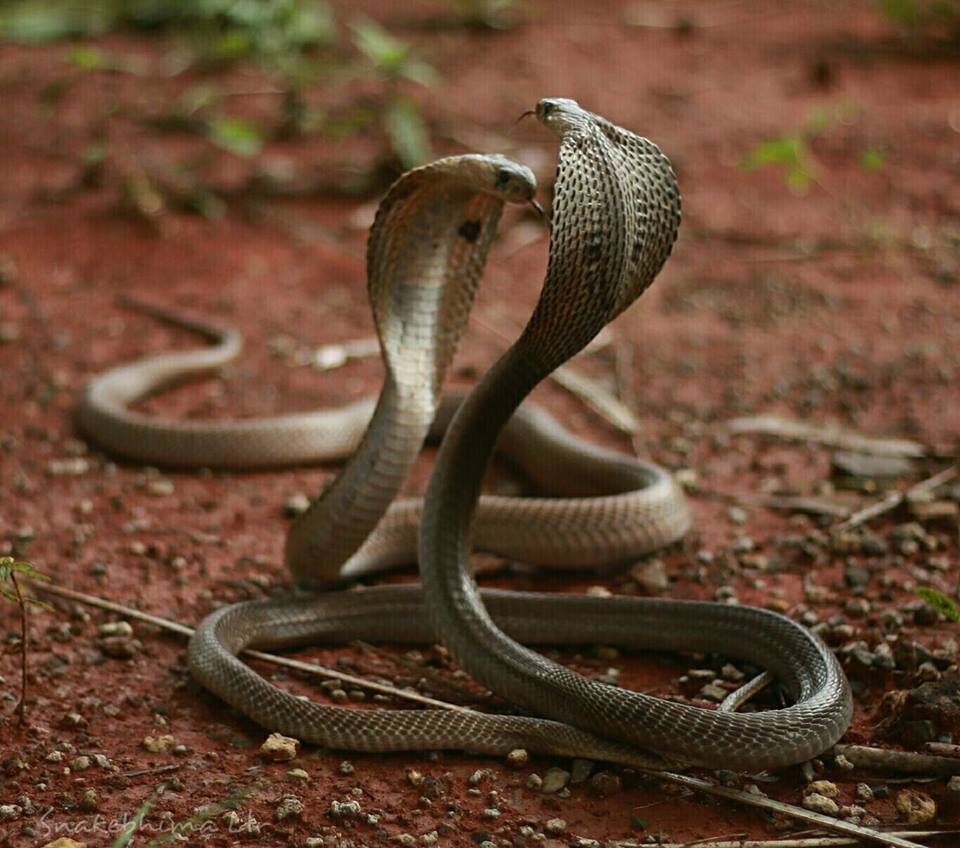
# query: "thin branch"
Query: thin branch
183,630
830,435
900,762
895,498
818,819
22,604
811,842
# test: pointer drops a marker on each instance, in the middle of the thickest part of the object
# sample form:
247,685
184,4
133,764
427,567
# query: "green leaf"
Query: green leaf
36,21
386,53
407,132
872,159
940,602
236,135
901,11
86,57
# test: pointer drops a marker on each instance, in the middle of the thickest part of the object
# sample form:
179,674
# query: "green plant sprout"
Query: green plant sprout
936,599
924,17
793,152
393,60
11,571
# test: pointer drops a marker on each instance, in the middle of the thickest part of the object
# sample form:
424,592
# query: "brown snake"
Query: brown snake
615,218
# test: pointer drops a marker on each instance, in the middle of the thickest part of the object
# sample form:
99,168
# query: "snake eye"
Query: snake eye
503,177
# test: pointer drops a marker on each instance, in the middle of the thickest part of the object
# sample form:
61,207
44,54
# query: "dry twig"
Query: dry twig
826,434
900,762
894,499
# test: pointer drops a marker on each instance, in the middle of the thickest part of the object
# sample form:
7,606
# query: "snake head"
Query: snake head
509,180
561,115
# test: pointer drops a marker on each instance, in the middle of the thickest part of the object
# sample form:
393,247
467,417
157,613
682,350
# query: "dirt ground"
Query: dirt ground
837,301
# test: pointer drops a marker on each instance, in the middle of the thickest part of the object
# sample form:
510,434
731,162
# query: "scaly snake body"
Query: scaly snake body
615,218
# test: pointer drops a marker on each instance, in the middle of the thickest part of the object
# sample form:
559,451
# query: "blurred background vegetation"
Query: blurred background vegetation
298,52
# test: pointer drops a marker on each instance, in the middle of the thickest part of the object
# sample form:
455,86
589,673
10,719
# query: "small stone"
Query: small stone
115,628
883,657
298,774
518,758
120,647
743,545
554,780
290,807
737,515
88,800
864,792
279,748
554,826
491,813
160,488
414,778
712,692
605,784
404,839
821,804
651,577
915,807
81,763
534,781
65,842
823,787
731,673
857,607
10,811
346,767
344,809
74,466
598,592
158,744
296,505
580,770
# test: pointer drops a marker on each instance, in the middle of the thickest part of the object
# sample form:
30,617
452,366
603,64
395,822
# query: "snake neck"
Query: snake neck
454,490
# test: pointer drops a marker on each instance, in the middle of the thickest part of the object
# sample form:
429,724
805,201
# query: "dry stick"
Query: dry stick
684,780
762,801
21,602
826,434
183,630
894,499
902,762
811,842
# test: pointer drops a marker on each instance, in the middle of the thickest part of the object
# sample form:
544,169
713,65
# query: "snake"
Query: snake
615,218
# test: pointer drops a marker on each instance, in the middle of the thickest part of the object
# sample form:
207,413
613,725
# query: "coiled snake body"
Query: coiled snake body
615,218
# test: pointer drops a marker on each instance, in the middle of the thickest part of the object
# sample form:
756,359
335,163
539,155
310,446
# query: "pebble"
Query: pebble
651,576
534,781
915,807
346,767
414,778
120,647
115,628
290,807
864,792
88,800
580,770
81,763
160,488
554,826
404,839
823,787
737,515
598,592
296,505
344,809
605,784
518,758
158,744
74,466
554,780
857,607
65,842
821,804
883,657
298,774
743,545
9,811
278,747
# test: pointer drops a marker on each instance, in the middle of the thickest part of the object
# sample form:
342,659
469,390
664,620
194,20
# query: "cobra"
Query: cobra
615,217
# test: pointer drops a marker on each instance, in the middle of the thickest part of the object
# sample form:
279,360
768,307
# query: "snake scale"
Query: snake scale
615,217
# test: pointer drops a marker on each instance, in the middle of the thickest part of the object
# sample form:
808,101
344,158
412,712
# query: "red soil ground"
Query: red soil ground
841,303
